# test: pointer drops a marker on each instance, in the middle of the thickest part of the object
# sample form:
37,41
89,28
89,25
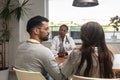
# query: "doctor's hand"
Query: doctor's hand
62,53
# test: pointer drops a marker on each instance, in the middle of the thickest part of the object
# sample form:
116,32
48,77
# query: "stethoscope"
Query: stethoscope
66,40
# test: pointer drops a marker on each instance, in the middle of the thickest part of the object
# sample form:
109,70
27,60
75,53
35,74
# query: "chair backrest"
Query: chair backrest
28,75
90,78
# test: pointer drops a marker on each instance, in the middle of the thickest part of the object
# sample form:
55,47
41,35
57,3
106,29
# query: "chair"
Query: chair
28,75
90,78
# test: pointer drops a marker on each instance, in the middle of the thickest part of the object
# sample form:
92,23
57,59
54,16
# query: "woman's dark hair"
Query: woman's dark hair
92,35
35,22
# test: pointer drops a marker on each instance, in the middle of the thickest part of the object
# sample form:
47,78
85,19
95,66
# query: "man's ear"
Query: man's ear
36,30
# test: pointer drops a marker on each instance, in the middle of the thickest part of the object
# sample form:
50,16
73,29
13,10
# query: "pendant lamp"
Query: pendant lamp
85,3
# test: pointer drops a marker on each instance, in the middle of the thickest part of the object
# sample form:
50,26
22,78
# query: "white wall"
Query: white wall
14,38
18,30
37,7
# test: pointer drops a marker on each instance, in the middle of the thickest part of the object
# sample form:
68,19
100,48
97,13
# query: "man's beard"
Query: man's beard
44,38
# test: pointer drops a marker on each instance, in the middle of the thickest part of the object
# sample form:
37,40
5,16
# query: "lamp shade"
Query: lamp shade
85,3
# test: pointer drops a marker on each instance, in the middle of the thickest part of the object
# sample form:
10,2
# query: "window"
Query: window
62,12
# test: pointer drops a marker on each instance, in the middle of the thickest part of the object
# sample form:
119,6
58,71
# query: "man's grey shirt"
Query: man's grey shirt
32,56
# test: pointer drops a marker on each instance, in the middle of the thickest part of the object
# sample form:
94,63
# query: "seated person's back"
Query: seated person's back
33,56
93,58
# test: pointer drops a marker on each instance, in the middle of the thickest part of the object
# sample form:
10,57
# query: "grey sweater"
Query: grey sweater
32,56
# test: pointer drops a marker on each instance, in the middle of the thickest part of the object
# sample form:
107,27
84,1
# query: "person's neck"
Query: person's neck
35,39
62,38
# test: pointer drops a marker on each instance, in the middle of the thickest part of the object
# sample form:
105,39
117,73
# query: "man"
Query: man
62,44
32,55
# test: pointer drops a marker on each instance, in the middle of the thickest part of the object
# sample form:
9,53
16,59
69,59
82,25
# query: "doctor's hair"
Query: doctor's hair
64,25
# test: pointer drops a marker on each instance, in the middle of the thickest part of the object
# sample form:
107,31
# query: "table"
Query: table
60,59
117,72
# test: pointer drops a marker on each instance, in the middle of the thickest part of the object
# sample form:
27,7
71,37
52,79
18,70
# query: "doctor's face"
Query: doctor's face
62,31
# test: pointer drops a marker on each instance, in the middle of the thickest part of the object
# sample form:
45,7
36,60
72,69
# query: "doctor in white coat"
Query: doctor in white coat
62,44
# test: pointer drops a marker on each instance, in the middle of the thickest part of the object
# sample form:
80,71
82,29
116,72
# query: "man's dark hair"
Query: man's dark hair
34,22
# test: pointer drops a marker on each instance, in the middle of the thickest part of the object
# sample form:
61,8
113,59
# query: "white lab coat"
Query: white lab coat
68,44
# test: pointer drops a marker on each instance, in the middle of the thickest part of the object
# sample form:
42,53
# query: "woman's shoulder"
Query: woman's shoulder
75,56
69,37
56,37
76,51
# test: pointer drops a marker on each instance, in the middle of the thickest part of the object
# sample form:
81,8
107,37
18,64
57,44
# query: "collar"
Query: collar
33,40
65,39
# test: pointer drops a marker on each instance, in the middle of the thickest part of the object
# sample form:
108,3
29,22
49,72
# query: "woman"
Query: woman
62,44
93,58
